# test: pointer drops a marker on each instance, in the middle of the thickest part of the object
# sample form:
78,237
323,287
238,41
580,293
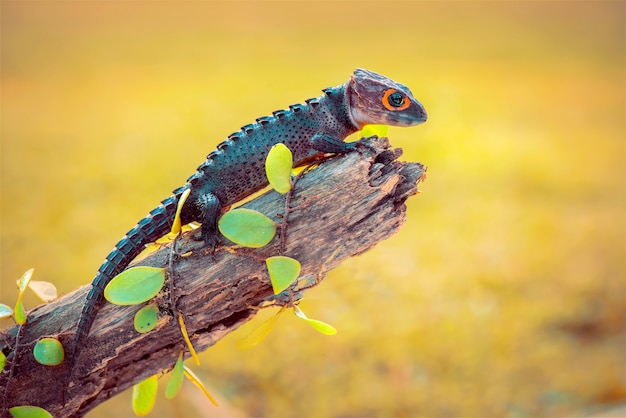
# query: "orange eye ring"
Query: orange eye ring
391,107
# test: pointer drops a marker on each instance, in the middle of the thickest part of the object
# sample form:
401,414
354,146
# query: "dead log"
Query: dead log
339,210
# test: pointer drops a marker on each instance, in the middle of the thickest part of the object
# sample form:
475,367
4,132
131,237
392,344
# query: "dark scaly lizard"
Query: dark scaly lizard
236,169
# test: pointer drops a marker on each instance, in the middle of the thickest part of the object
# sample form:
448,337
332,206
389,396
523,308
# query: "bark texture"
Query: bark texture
339,210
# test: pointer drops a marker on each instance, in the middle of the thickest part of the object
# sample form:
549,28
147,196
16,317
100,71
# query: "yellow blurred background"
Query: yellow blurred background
503,295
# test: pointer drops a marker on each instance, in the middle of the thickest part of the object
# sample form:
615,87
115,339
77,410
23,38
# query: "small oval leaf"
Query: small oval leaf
46,291
5,311
176,379
283,271
247,227
3,360
49,352
146,318
278,166
135,285
320,326
144,396
29,412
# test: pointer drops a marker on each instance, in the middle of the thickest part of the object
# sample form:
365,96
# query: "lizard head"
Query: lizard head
376,99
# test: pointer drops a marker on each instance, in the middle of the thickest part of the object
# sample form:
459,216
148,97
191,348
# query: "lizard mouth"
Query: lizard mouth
415,114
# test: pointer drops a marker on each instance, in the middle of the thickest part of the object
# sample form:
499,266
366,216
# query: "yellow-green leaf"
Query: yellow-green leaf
146,318
278,166
176,379
196,381
20,313
5,311
22,284
135,285
259,334
374,130
3,360
320,326
46,291
29,412
283,271
176,225
183,330
247,227
144,396
49,352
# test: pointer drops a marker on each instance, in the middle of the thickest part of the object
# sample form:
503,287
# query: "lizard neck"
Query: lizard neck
336,98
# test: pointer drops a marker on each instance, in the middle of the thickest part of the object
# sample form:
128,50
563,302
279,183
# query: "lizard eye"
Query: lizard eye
394,100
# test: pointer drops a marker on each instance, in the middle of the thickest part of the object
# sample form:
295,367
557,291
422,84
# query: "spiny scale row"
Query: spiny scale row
261,122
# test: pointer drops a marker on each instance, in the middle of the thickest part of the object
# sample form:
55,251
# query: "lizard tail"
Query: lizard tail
155,225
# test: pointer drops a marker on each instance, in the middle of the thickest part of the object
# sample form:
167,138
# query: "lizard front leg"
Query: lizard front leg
329,144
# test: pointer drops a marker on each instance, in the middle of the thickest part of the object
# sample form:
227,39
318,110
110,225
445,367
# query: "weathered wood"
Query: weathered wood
342,208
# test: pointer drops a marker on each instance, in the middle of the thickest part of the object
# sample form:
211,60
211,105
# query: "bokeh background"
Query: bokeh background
503,295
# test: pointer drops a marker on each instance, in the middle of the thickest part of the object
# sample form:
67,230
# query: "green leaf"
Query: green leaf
5,311
320,326
247,227
135,285
20,313
144,396
3,360
29,412
49,352
146,318
374,130
176,379
283,271
46,291
259,334
278,166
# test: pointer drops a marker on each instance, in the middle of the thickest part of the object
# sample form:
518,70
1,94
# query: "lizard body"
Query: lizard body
236,169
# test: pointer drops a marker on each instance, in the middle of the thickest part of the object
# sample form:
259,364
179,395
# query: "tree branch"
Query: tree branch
339,210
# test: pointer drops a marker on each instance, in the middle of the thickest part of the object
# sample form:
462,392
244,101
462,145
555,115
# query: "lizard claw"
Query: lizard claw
210,239
367,144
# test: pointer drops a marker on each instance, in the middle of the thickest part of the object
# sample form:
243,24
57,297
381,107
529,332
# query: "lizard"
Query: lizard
236,168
